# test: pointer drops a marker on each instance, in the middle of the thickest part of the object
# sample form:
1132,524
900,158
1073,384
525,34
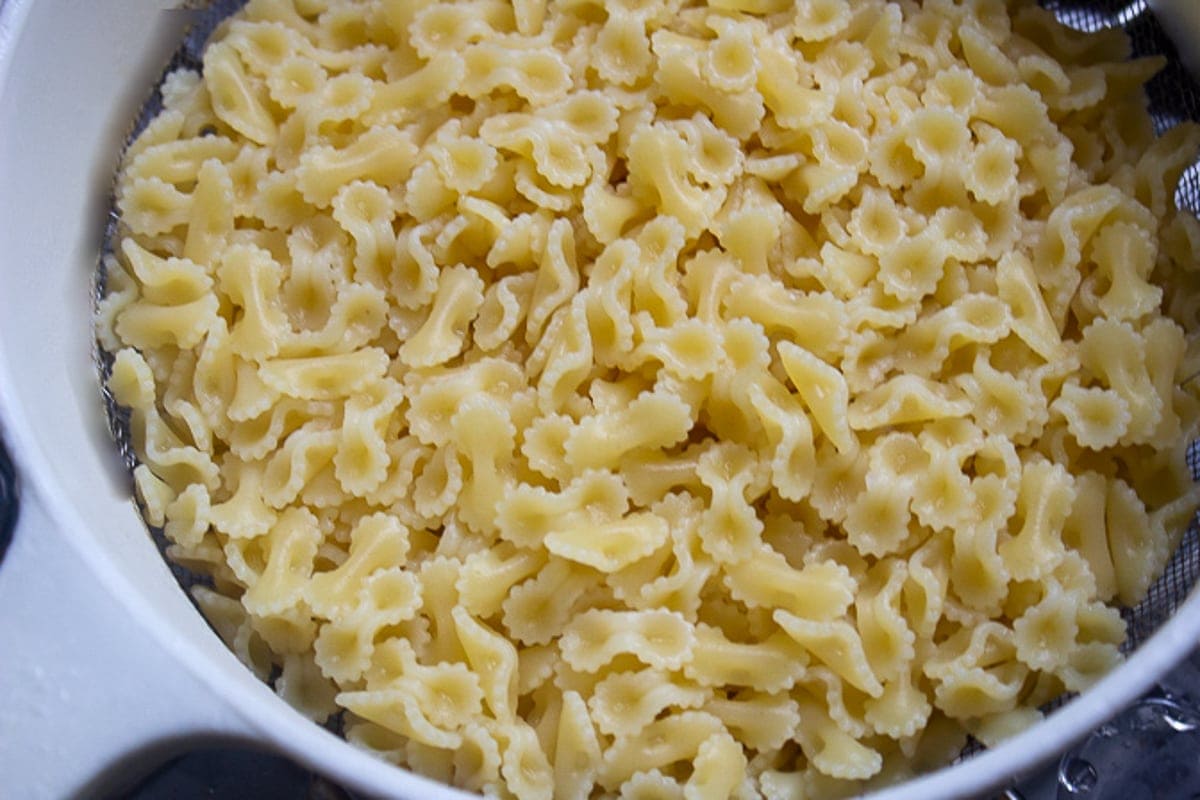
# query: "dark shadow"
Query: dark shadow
209,770
8,500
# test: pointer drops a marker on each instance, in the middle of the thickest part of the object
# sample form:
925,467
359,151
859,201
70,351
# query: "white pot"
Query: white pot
103,660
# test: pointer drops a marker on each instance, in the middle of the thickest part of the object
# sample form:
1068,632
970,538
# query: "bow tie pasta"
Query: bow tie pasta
657,399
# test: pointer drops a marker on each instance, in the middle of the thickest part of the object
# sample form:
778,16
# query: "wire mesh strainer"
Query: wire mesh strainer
1173,96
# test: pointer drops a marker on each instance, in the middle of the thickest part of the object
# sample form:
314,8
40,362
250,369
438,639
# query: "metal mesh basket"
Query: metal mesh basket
1173,96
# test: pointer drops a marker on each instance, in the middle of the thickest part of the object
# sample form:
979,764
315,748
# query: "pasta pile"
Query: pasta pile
650,399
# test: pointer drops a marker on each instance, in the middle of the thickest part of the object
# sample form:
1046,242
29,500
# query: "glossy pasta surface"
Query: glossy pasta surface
655,400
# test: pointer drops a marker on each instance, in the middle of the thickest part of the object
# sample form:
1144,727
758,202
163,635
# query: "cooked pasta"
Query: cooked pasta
660,399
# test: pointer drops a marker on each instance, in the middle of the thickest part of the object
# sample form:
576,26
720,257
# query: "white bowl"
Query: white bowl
104,663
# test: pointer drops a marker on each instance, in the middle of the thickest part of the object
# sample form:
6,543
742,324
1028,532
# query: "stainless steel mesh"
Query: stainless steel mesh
1173,96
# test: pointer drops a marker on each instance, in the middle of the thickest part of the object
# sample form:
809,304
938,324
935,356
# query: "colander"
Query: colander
105,665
